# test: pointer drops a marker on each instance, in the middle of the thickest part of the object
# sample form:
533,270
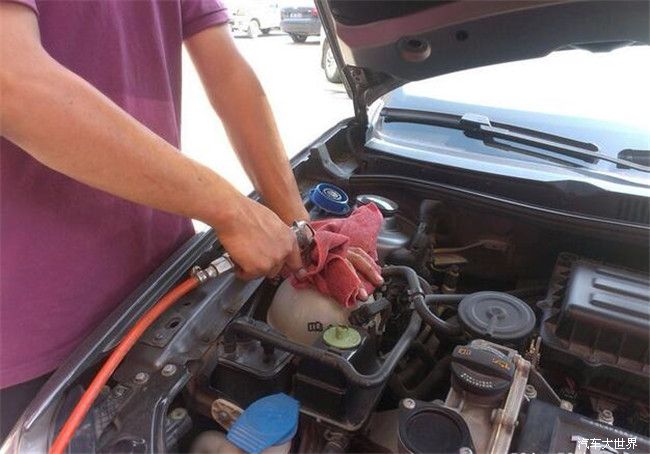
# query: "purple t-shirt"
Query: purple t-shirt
70,253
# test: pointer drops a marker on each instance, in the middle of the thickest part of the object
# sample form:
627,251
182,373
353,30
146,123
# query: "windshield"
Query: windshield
601,98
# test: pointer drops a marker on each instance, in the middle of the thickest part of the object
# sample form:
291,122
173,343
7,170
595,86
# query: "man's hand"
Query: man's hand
365,267
258,241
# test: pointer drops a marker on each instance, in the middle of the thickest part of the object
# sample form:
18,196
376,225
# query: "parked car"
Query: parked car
300,20
328,63
255,17
515,314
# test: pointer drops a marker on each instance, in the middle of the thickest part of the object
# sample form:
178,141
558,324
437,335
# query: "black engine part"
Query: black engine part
248,371
551,429
419,252
428,427
323,390
596,326
496,317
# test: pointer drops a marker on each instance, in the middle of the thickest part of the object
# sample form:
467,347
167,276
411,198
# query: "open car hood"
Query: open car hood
383,44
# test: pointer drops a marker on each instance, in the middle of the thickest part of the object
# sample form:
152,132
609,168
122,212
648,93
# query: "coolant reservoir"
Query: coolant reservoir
303,314
390,237
213,442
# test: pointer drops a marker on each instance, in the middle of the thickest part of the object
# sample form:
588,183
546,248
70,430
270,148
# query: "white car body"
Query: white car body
266,13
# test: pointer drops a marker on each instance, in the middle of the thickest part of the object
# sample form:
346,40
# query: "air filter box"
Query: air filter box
596,324
550,429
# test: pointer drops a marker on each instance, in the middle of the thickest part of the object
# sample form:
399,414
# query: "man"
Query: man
95,193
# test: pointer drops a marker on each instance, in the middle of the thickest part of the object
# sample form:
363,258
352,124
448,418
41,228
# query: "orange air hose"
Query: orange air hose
130,338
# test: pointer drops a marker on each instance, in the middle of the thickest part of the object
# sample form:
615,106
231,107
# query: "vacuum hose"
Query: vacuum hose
440,326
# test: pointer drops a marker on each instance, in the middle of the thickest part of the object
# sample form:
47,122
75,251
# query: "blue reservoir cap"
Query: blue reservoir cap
330,199
269,421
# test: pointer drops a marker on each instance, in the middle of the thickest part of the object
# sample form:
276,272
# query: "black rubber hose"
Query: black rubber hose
433,378
412,278
422,351
544,390
426,287
264,333
438,325
420,304
526,292
443,299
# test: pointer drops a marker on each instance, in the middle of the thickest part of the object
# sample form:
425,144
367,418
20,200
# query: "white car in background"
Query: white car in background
255,17
328,63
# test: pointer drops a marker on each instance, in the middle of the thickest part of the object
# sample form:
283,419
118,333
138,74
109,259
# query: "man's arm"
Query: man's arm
240,102
69,126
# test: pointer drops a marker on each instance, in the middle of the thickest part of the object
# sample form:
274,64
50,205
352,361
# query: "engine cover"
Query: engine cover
596,325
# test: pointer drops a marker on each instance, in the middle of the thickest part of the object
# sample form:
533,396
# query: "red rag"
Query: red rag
329,271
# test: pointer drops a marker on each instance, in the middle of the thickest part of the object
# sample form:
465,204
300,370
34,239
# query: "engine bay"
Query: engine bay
490,334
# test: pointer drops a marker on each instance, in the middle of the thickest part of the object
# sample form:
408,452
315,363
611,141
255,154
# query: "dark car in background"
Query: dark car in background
300,20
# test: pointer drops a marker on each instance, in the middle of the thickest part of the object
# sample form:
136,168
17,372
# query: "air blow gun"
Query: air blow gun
224,264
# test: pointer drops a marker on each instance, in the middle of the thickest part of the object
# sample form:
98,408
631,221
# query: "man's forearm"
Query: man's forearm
251,127
69,126
238,98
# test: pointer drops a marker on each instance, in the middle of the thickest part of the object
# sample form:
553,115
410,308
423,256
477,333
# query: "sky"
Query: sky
613,86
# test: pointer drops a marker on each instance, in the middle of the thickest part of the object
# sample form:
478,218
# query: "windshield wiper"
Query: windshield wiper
480,127
641,157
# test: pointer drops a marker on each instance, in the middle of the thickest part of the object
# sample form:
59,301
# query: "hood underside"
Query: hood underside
383,44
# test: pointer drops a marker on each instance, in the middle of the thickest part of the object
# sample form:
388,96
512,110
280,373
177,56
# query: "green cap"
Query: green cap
342,337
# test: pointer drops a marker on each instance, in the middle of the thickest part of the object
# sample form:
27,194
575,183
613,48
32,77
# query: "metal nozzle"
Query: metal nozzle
305,238
223,264
217,267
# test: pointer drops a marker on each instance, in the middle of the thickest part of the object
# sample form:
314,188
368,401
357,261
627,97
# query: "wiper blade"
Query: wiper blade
480,127
637,156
